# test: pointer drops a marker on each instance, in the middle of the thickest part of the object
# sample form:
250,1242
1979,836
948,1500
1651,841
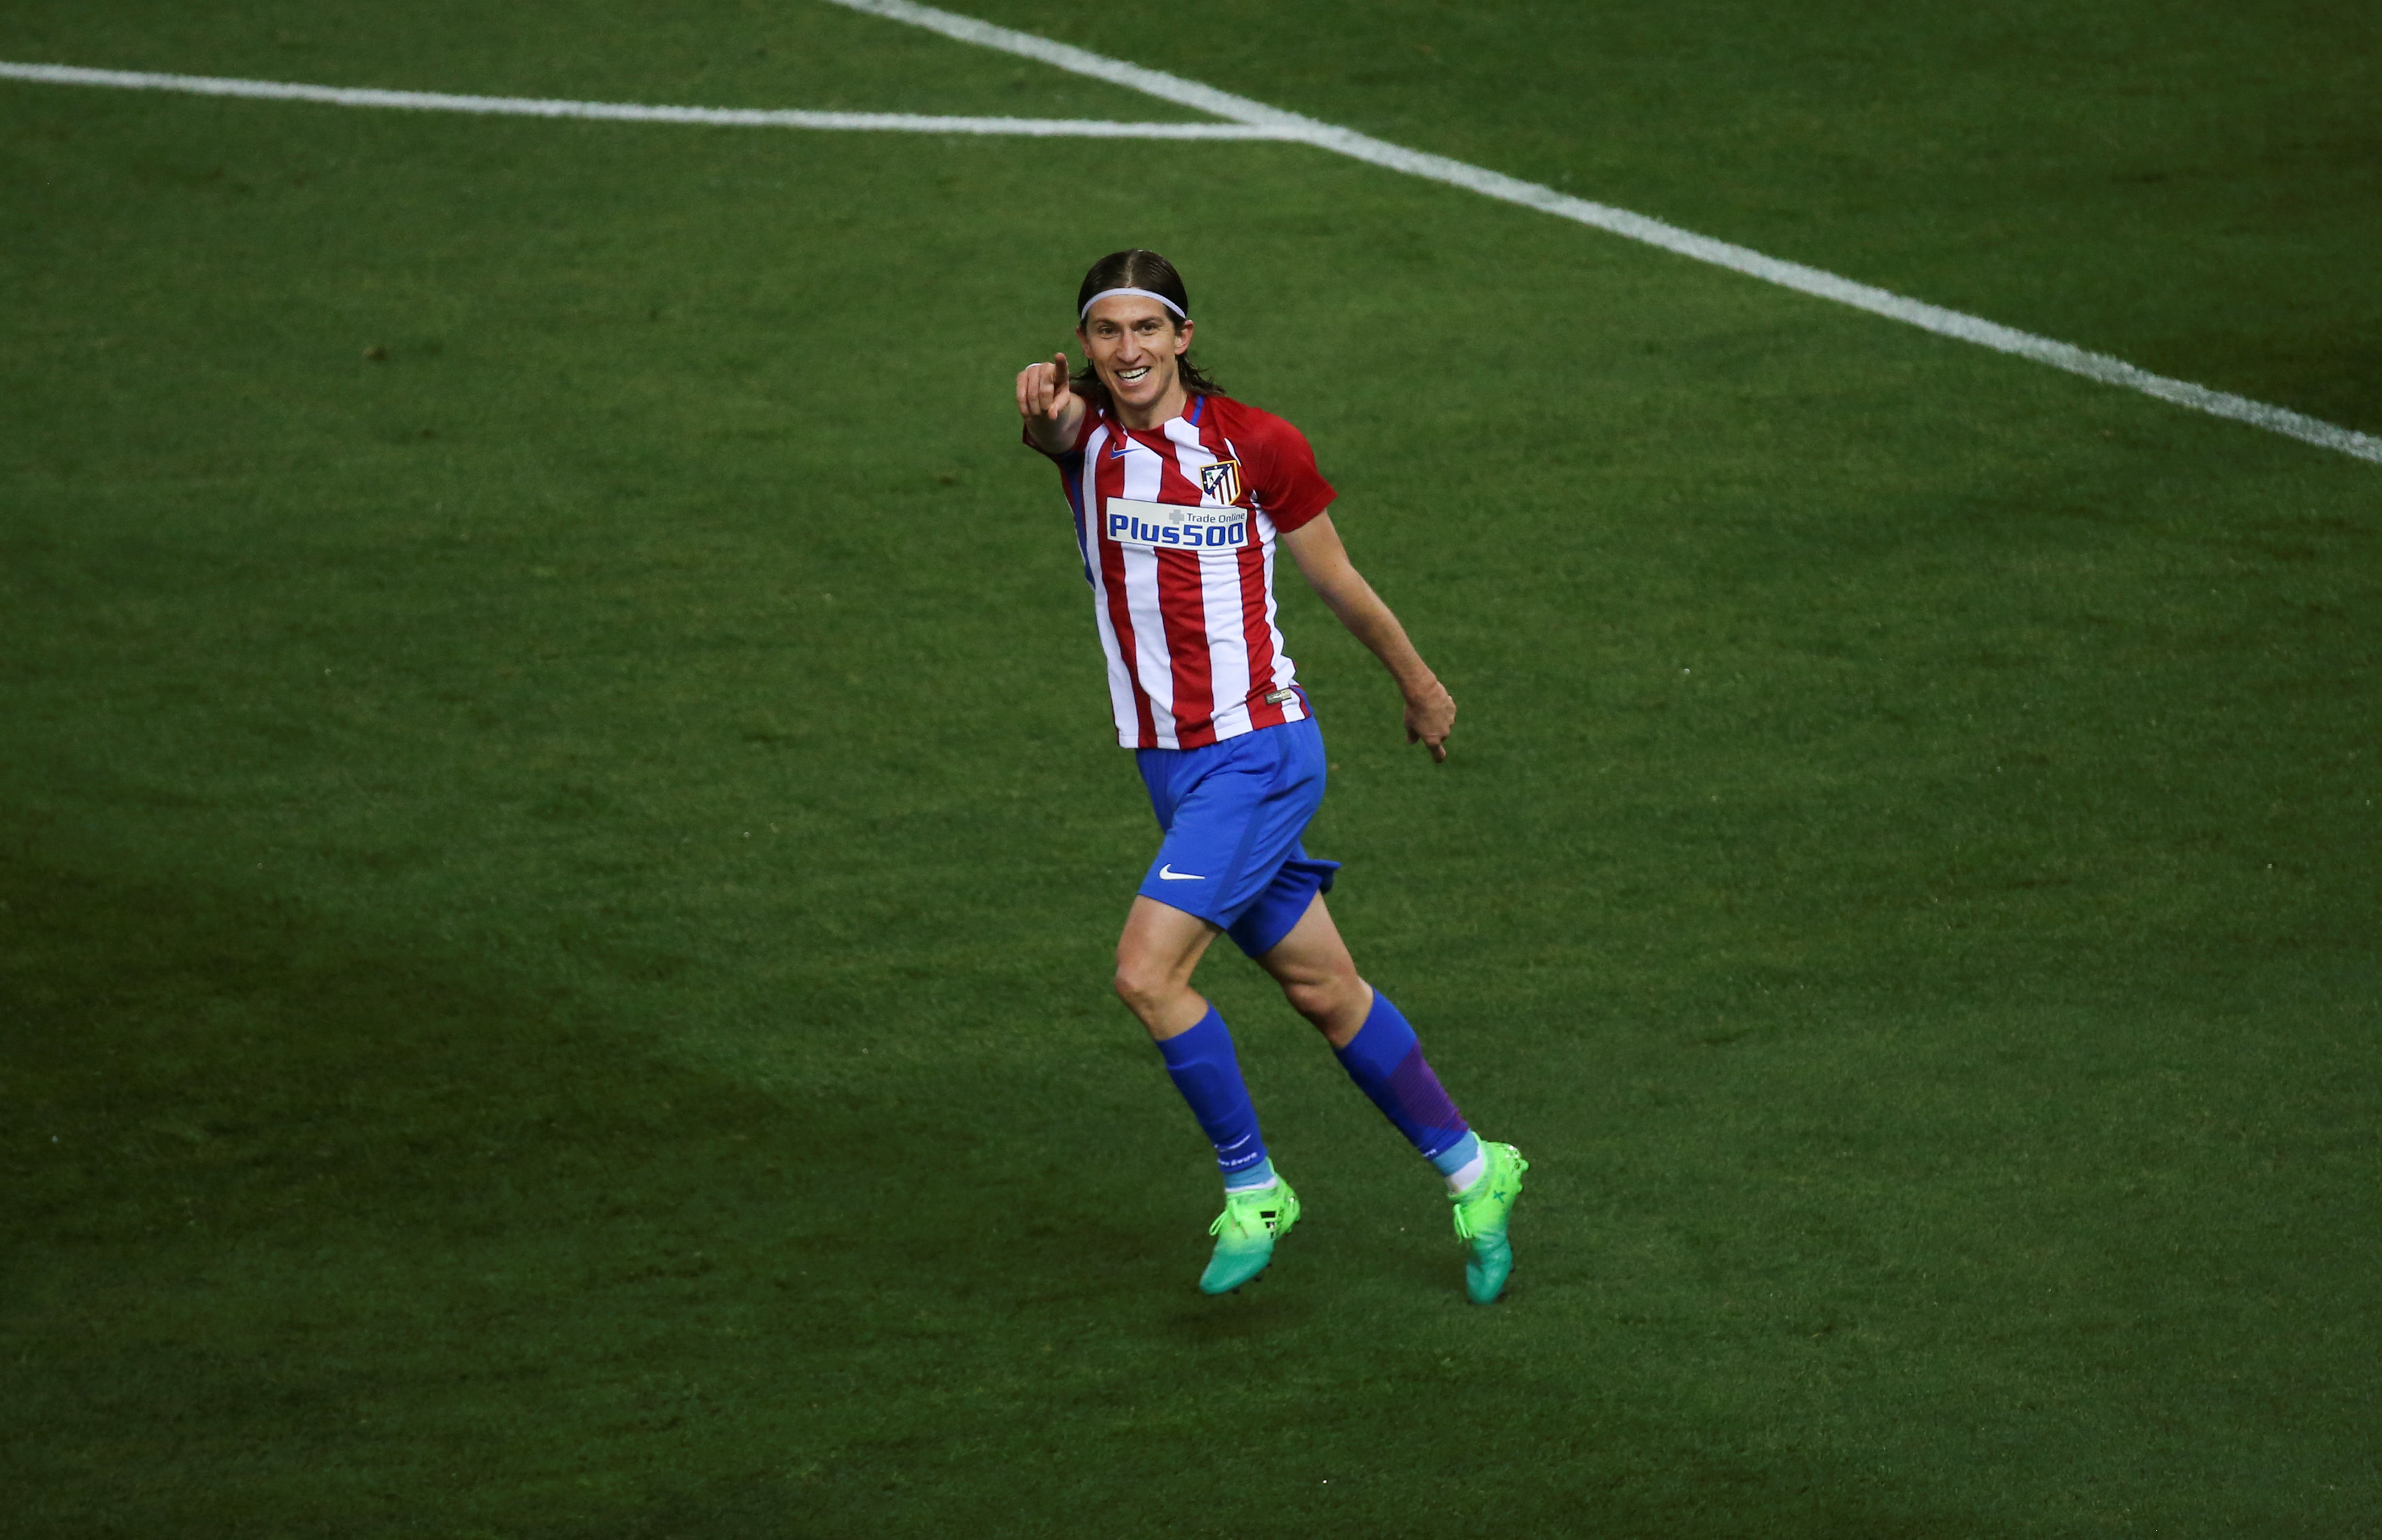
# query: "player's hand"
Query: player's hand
1431,716
1043,393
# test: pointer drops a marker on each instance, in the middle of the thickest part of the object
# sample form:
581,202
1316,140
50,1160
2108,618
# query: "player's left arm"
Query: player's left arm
1323,562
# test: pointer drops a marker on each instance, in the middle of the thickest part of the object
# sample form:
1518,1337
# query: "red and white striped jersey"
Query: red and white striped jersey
1176,526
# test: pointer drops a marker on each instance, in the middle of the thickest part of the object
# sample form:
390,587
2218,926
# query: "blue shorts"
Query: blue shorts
1232,813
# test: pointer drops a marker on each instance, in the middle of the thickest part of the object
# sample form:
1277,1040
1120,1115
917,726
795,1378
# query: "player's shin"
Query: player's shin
1259,1208
1208,1073
1385,1060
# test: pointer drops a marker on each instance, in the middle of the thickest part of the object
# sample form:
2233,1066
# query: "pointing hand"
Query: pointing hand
1043,391
1048,403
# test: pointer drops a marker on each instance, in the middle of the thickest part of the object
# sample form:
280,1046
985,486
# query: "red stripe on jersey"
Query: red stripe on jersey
1183,605
1174,486
1257,634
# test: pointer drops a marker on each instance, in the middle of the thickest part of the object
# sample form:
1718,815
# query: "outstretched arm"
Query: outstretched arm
1323,562
1051,409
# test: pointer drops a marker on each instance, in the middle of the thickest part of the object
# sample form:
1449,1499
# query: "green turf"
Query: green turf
558,880
2196,187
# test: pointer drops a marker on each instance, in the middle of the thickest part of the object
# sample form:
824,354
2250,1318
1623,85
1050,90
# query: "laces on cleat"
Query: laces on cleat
1268,1219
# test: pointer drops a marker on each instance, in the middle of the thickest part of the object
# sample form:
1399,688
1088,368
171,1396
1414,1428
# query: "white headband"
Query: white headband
1147,294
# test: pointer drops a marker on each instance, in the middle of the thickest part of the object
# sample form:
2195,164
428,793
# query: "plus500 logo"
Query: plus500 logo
1154,526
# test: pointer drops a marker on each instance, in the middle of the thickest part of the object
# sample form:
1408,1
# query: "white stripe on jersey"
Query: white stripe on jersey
1284,672
1121,701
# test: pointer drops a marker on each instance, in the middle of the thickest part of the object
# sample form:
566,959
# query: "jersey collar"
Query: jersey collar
1126,438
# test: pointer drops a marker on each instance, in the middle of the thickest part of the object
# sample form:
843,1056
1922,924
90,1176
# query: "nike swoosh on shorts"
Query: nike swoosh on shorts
1168,873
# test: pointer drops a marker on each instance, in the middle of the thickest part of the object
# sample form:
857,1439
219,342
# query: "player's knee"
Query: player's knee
1323,1000
1140,986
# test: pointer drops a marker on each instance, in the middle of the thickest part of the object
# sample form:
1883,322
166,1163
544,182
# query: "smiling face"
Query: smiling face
1133,344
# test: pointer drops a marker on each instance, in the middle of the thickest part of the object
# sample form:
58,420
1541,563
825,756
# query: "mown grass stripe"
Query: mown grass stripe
1255,121
1634,226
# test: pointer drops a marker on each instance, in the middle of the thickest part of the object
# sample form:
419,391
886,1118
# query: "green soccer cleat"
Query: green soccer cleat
1481,1211
1246,1232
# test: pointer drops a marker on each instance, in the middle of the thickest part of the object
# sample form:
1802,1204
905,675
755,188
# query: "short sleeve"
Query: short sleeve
1288,486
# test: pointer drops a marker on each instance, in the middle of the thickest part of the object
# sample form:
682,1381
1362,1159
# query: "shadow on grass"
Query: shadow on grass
309,1232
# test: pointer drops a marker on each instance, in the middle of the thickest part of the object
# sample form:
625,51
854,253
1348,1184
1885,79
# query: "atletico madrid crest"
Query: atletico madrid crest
1222,482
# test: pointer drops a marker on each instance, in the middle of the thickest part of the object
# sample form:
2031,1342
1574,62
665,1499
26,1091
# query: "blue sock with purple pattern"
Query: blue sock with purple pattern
1385,1060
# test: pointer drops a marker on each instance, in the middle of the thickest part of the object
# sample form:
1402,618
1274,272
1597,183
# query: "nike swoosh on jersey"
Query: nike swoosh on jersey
1168,873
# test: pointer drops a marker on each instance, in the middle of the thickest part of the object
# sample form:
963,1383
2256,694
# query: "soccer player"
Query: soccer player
1181,496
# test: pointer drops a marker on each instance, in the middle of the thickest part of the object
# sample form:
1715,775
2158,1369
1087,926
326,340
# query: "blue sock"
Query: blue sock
1385,1060
1457,1156
1251,1178
1204,1069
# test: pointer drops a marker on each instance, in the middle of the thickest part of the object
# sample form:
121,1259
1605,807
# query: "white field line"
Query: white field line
1255,121
631,112
1635,227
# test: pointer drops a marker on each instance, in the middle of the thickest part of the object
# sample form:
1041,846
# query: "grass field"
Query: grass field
559,845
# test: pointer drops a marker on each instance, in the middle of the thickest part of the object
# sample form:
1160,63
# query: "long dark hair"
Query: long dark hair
1139,269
